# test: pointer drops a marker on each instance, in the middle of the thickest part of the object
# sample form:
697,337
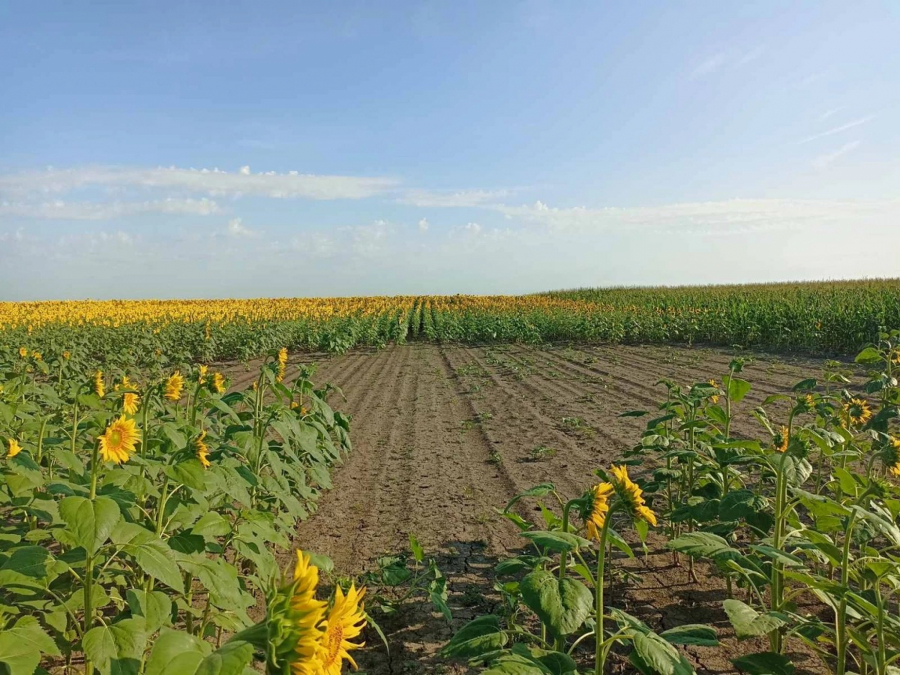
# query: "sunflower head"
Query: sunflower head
857,411
715,397
593,508
67,355
202,449
282,364
99,387
345,621
891,456
201,374
781,440
130,403
117,442
295,620
13,448
23,352
631,494
174,386
37,356
218,383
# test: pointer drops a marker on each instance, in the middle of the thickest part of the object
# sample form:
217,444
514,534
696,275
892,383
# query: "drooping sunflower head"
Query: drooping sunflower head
99,386
201,374
296,620
857,411
631,494
715,397
218,383
809,401
895,356
130,403
174,386
282,364
23,352
37,356
202,449
781,440
345,621
67,355
594,507
118,441
13,448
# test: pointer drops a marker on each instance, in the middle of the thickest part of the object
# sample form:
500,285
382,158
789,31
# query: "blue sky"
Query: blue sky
167,149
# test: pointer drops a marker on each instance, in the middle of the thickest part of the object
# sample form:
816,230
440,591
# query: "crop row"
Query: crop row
801,524
834,318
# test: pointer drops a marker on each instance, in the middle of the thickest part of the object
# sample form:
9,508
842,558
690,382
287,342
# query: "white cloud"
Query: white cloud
751,56
423,225
369,240
474,228
462,198
709,66
62,210
731,215
212,182
837,130
236,228
825,160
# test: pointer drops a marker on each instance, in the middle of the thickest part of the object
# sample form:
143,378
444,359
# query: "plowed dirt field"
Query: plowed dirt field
444,435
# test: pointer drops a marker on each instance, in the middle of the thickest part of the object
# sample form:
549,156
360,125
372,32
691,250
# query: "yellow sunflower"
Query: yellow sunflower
857,411
67,355
781,440
892,459
715,397
303,617
174,386
596,508
282,363
218,383
201,374
13,448
117,442
202,449
23,352
631,494
99,387
37,356
345,621
130,403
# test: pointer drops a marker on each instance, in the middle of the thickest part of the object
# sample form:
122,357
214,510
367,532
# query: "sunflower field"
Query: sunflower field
144,511
833,318
801,524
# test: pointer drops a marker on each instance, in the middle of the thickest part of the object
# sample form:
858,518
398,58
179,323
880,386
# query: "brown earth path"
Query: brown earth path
444,435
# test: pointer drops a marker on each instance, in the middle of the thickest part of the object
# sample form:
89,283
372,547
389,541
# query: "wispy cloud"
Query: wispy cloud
62,210
447,198
824,161
213,182
734,216
236,228
423,225
710,65
726,59
838,129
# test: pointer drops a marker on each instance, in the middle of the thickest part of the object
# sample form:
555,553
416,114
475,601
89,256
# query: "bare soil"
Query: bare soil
445,435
